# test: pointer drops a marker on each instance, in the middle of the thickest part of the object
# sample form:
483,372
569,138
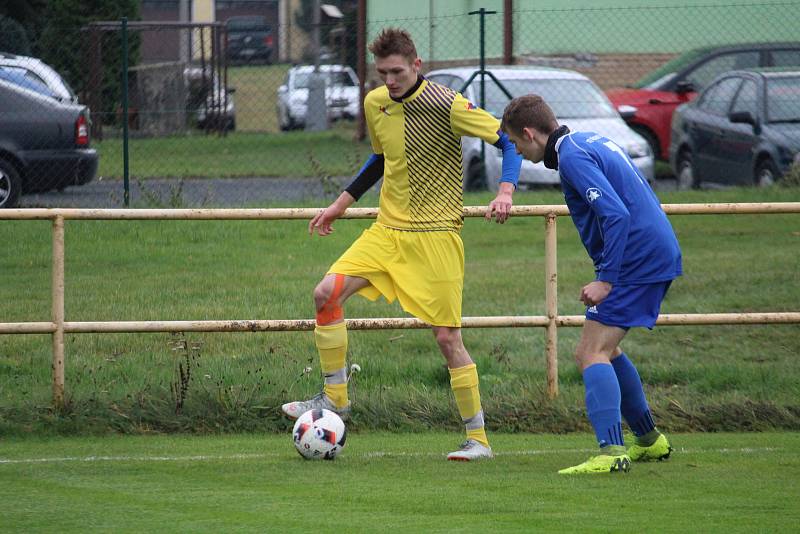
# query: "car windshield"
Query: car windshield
248,24
667,71
336,78
783,99
569,99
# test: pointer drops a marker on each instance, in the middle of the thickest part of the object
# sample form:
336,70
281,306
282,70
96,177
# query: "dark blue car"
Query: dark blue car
743,129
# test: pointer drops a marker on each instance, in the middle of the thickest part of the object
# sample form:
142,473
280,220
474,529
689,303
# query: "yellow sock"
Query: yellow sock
331,343
464,381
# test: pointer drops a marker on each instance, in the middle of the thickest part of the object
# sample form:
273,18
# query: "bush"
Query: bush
792,178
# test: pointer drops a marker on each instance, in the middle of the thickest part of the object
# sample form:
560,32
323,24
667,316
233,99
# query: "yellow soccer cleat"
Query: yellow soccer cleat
659,450
603,463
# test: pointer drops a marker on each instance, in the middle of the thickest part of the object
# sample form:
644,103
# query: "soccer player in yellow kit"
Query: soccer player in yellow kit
413,252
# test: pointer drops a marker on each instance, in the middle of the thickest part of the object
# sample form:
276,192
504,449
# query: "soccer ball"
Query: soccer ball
319,434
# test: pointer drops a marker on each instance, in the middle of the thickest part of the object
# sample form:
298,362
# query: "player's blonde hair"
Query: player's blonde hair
529,111
393,41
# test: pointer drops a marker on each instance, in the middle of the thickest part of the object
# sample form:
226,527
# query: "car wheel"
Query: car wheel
10,185
476,176
687,175
766,173
650,137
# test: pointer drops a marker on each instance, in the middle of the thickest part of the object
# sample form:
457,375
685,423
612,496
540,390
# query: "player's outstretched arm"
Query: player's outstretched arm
322,222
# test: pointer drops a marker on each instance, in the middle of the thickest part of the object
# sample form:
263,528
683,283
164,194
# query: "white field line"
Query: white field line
374,454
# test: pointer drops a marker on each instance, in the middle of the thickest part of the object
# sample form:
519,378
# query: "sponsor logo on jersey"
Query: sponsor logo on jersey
592,309
593,194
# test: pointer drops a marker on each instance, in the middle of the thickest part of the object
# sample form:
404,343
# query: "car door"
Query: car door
706,127
738,140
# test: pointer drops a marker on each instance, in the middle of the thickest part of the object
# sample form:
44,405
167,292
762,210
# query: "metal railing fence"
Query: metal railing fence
58,326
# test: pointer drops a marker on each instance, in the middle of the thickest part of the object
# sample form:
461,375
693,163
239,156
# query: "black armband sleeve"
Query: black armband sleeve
369,174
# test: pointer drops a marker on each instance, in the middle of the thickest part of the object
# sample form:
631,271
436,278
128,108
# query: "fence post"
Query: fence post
551,297
125,162
58,311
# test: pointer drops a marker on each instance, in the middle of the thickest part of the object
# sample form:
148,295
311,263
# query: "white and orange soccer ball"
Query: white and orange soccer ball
319,434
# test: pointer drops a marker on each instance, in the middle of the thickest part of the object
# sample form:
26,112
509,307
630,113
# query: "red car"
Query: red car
648,105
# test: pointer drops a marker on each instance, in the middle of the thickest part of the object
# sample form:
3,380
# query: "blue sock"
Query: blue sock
602,403
634,405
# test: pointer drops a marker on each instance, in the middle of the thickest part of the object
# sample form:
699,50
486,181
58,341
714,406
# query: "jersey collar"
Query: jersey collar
411,92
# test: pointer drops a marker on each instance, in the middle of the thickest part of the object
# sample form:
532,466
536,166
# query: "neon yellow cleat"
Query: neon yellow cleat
603,463
660,450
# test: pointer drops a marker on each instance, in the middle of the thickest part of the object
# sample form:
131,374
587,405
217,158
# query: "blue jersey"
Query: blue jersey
619,218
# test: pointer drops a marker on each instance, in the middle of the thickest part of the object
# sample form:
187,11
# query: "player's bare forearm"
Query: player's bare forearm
500,207
322,222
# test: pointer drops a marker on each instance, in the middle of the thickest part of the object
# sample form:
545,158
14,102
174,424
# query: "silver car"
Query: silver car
341,94
40,72
574,98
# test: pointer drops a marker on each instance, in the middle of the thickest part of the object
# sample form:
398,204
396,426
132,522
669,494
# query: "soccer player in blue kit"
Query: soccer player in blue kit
636,256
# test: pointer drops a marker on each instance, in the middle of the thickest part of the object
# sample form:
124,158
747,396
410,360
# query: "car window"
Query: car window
443,79
667,71
706,72
340,78
747,99
783,99
717,99
786,58
569,99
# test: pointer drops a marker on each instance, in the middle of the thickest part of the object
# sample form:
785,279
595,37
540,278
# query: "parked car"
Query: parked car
44,143
576,102
655,97
341,94
743,129
249,39
40,72
209,99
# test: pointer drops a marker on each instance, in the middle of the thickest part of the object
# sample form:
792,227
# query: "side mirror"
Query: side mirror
626,111
685,86
742,117
282,89
745,117
231,90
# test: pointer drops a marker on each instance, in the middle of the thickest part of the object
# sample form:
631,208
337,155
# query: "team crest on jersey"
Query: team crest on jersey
384,110
593,194
470,105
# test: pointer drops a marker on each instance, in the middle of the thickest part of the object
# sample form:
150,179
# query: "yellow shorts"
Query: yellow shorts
423,270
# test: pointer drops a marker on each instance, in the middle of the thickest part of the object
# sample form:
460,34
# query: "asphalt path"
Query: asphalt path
207,192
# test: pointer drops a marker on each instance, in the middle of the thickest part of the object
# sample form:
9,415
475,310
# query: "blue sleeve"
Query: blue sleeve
369,174
511,160
610,212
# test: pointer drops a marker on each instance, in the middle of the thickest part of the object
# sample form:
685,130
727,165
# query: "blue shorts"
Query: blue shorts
629,306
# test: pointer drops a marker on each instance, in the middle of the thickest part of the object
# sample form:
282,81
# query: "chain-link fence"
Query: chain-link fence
215,113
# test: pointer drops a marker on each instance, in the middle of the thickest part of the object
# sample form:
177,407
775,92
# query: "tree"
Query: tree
13,37
66,44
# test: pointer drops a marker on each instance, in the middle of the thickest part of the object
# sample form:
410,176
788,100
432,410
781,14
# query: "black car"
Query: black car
44,143
249,39
743,129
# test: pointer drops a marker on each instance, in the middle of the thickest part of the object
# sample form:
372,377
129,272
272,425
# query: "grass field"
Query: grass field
698,378
388,482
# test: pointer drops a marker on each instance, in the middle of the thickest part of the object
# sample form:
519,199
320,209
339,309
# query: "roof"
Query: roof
511,72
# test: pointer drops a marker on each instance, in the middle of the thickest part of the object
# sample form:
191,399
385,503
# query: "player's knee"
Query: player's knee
447,337
322,293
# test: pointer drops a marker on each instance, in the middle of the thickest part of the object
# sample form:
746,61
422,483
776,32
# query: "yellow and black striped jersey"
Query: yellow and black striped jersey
420,139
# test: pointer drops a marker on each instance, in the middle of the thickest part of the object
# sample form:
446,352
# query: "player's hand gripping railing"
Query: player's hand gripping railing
58,326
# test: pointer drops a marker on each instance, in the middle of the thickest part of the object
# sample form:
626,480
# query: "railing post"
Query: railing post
551,296
58,311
